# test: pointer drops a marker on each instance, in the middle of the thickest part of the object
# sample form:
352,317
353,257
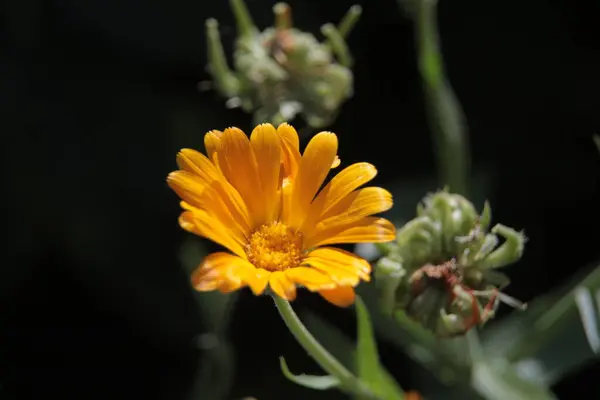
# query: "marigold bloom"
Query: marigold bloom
259,198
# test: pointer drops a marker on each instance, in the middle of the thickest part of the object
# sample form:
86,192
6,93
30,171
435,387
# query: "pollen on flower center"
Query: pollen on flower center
275,247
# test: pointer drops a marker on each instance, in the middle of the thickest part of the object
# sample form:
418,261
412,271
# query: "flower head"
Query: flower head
282,72
442,269
259,198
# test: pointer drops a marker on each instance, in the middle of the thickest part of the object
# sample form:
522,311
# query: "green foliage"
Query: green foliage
282,72
370,370
309,381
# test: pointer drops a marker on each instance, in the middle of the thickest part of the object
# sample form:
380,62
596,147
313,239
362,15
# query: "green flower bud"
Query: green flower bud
442,269
282,72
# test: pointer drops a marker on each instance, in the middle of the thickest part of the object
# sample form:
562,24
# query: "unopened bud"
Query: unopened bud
442,269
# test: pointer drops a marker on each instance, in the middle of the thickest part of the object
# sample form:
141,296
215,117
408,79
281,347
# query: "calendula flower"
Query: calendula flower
259,198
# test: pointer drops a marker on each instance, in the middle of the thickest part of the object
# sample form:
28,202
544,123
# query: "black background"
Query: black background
97,96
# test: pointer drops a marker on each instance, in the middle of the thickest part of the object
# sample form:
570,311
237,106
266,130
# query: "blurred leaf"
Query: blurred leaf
215,375
332,338
214,306
309,381
497,380
596,138
447,359
558,332
369,368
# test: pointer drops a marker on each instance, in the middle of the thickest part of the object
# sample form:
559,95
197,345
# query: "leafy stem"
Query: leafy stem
346,379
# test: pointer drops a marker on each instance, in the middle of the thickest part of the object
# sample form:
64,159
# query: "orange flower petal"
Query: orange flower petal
286,199
341,296
290,150
197,163
310,278
343,267
217,197
314,167
227,272
188,186
238,163
267,149
211,198
362,203
357,205
206,225
216,268
212,142
282,285
339,187
231,285
336,162
259,280
287,133
365,230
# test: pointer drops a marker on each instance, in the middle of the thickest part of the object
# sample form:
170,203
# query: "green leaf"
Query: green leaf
559,331
332,338
596,138
497,380
370,370
214,379
309,381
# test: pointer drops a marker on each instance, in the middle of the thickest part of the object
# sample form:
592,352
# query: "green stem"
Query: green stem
332,366
444,111
243,19
224,78
349,20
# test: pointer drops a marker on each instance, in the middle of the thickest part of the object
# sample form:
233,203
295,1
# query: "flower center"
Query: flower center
275,247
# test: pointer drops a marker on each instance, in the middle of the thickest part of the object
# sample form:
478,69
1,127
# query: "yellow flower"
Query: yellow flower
258,198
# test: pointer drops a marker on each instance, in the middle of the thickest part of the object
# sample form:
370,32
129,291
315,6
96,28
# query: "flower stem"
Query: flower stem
332,366
444,111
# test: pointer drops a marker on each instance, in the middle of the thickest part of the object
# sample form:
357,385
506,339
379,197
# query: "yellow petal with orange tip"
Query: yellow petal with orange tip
340,186
282,286
365,230
267,150
310,278
341,296
238,164
203,224
341,266
314,167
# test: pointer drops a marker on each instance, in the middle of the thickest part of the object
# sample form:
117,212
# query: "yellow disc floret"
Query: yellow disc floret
275,247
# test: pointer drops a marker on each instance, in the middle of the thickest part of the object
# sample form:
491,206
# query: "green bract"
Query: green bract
441,270
282,72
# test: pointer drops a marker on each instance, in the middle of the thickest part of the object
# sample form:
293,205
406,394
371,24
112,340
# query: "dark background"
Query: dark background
97,97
